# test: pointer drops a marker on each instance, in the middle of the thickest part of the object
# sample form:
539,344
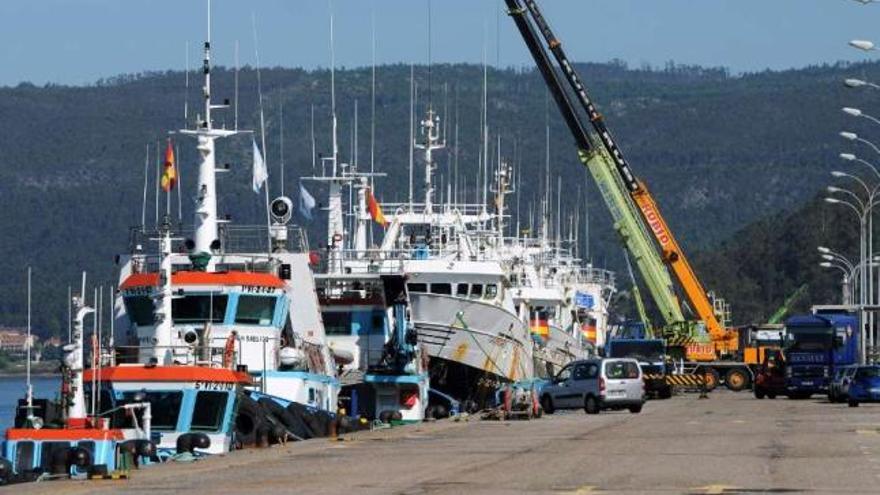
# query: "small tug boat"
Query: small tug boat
51,442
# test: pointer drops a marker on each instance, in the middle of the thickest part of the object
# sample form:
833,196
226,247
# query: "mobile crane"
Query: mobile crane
632,206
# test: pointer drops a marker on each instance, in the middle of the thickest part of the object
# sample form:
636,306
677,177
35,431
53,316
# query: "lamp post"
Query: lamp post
846,288
861,212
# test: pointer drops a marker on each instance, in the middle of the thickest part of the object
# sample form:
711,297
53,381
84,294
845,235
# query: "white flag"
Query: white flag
260,172
306,202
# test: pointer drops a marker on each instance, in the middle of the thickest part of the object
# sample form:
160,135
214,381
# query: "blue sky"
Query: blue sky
76,42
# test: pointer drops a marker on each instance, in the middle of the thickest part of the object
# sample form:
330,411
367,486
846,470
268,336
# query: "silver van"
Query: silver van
596,384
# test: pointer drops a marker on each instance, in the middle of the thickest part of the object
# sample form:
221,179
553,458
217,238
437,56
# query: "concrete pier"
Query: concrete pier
730,443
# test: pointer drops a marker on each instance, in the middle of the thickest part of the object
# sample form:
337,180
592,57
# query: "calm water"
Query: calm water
13,388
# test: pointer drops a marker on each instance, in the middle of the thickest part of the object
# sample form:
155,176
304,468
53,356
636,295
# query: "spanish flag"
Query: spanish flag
169,174
540,329
375,209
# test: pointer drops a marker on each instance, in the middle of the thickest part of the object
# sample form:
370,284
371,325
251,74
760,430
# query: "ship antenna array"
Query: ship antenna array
262,133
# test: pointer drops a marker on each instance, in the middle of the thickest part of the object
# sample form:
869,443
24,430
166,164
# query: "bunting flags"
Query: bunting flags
375,209
260,172
306,202
169,172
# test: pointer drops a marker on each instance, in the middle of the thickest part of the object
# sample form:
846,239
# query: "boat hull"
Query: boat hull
490,342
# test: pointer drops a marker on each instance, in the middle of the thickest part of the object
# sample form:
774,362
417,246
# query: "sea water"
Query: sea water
13,388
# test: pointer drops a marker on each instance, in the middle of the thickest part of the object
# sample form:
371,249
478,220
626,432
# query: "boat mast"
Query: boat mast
76,404
206,240
335,222
162,351
431,130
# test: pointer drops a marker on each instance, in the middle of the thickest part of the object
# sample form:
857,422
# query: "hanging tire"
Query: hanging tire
736,380
591,405
547,404
249,421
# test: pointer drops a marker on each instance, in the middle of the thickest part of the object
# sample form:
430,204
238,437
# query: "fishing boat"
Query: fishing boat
52,440
224,295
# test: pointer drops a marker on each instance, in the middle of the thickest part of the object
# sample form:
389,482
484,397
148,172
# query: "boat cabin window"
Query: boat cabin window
48,449
491,291
476,291
199,309
417,287
441,289
255,310
462,290
337,322
209,411
140,310
24,457
164,406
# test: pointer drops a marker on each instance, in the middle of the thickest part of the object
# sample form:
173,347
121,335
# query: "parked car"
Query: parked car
864,386
838,389
596,385
770,376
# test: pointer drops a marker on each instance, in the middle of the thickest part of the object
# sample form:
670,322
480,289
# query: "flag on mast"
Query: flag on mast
306,202
260,172
375,209
169,172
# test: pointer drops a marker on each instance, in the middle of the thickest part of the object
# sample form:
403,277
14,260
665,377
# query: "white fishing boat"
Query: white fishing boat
228,296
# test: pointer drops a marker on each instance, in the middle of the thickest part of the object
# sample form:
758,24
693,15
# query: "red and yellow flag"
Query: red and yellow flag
169,173
375,209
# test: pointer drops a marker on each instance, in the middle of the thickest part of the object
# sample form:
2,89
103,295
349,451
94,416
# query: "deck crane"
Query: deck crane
600,153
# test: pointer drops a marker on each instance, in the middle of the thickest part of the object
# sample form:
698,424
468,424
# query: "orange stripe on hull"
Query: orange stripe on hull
167,374
204,278
66,434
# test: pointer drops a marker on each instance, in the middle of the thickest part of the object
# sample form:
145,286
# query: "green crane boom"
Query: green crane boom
602,166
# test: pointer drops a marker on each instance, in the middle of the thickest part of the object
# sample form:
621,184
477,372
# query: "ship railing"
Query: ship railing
233,238
257,263
599,276
461,208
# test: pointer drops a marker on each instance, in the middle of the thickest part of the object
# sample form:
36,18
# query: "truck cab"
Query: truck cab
651,355
815,345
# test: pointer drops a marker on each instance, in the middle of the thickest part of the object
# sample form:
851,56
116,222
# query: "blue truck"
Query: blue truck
815,345
651,355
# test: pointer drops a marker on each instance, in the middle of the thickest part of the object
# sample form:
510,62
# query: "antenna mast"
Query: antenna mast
206,241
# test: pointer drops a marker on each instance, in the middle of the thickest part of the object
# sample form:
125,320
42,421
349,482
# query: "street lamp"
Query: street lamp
868,191
859,83
850,157
845,286
862,45
856,112
851,136
863,212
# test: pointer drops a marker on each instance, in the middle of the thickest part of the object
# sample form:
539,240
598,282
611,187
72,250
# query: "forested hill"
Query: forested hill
718,151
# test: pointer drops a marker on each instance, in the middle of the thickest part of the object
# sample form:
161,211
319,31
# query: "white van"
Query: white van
595,385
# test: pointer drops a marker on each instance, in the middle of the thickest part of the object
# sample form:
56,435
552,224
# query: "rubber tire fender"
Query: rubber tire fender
249,421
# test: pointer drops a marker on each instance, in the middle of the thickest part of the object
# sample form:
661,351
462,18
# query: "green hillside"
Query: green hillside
718,151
